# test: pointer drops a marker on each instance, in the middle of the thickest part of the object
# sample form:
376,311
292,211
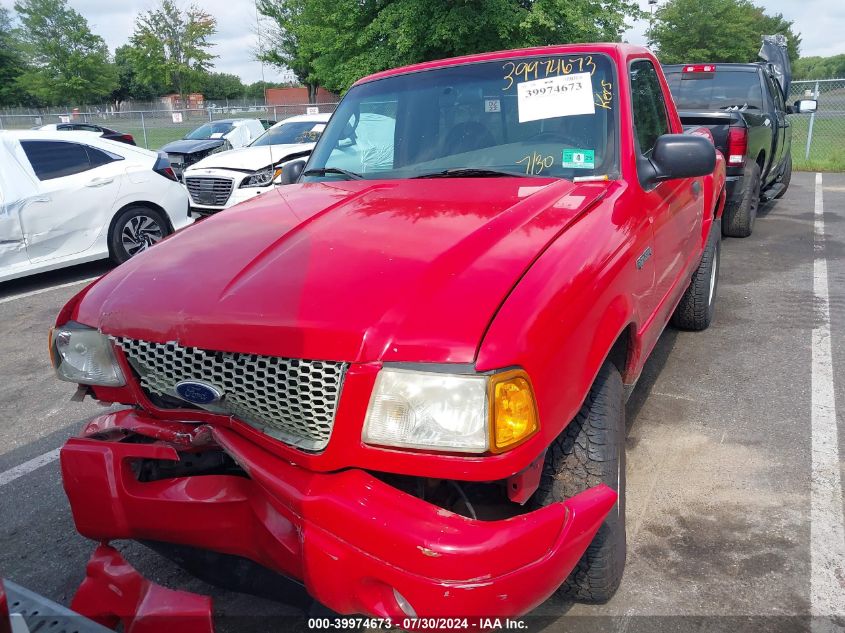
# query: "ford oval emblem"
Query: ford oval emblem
198,392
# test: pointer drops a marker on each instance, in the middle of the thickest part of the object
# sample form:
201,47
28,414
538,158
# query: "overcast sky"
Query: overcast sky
821,23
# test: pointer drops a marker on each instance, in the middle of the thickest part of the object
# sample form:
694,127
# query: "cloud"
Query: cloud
820,23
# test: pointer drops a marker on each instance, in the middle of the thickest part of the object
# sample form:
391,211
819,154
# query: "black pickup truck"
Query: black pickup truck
744,107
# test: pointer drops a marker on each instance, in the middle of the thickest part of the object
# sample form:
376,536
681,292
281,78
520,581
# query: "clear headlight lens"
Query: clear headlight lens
428,410
83,355
451,412
263,177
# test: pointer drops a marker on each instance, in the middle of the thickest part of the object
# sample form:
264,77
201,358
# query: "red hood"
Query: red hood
410,270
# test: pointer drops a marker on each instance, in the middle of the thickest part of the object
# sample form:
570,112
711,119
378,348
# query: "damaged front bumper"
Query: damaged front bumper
354,541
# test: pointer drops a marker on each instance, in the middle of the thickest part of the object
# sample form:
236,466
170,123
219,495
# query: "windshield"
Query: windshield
718,90
210,130
537,116
290,133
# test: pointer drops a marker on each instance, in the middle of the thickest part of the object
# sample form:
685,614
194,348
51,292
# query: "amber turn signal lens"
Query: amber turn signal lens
514,411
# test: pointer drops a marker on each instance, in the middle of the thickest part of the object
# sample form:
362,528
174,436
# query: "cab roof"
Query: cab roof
615,50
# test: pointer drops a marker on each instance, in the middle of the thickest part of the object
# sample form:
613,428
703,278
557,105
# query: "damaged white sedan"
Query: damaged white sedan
73,197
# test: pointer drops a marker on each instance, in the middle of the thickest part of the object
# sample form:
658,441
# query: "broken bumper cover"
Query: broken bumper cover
350,538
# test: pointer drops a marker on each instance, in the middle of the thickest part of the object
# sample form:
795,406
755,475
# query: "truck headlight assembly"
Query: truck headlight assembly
262,177
465,413
83,355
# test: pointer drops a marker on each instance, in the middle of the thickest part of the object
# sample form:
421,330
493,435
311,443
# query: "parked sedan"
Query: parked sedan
224,179
210,138
105,132
73,197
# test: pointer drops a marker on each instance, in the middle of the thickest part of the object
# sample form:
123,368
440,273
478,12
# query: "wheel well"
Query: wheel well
141,203
719,207
618,354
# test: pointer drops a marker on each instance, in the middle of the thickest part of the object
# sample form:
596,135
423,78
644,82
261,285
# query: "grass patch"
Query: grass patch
827,149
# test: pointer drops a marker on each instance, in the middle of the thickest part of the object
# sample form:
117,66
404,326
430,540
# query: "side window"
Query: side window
650,119
54,159
98,157
777,94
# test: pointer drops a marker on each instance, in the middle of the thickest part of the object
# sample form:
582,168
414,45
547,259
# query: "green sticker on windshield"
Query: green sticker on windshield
579,159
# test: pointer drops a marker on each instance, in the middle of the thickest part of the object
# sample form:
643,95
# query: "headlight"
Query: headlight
450,412
263,177
82,355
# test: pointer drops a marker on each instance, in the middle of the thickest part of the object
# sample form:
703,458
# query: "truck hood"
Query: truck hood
357,271
251,158
188,146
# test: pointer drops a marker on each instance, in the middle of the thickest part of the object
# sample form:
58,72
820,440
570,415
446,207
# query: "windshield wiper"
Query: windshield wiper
322,171
471,172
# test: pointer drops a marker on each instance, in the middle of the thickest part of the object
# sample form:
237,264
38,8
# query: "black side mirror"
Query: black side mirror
678,156
291,172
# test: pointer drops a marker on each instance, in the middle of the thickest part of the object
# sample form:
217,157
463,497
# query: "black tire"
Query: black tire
786,177
134,231
591,451
698,305
739,217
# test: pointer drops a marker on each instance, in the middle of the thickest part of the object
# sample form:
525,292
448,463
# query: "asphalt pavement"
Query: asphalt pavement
732,443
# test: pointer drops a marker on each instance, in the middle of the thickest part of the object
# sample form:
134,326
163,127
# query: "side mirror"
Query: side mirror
805,106
679,156
291,172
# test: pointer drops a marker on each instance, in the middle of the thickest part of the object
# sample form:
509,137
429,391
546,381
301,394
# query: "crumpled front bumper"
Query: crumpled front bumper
350,538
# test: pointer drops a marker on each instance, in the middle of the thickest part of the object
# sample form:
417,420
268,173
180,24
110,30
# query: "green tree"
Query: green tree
68,63
12,64
819,67
172,46
128,84
716,31
256,90
334,42
222,86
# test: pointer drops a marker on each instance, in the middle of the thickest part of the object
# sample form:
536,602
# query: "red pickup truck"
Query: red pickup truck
401,380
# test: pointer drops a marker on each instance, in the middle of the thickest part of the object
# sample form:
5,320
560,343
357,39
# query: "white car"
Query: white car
73,197
227,178
211,138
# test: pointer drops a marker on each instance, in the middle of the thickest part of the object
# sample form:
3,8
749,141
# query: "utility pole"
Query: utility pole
651,5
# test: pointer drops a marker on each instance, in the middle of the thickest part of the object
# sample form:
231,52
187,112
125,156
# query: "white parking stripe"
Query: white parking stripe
32,293
827,527
27,467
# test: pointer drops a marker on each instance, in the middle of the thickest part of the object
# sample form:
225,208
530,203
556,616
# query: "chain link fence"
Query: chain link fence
154,128
818,140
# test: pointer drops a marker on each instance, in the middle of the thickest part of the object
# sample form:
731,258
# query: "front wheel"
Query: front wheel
134,231
589,452
697,306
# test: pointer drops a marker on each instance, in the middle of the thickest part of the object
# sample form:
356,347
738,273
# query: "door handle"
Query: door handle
40,199
99,182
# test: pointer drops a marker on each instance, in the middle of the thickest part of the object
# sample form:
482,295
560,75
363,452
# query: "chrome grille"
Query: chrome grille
290,399
213,192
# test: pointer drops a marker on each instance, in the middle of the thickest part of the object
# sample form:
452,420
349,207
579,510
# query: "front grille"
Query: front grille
289,399
213,192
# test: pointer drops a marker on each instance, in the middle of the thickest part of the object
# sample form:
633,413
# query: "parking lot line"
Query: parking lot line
827,526
27,467
32,293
